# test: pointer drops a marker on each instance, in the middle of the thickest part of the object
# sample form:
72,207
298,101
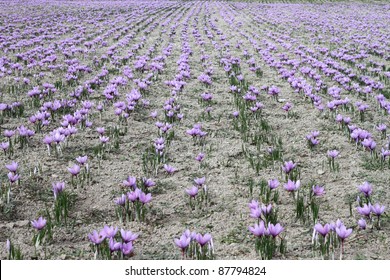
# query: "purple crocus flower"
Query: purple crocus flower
323,230
203,240
266,209
120,200
193,191
318,190
12,167
200,157
273,184
365,210
131,182
255,213
58,187
333,153
82,160
145,198
377,209
253,204
100,130
292,186
275,230
114,246
39,224
127,248
200,181
366,189
74,170
362,223
183,242
104,139
13,177
169,169
128,236
288,166
258,229
110,232
148,183
97,238
343,232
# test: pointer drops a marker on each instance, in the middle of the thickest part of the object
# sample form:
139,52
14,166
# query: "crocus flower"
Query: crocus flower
82,160
114,246
199,157
258,229
200,181
323,230
292,186
266,209
366,189
183,242
318,190
39,224
148,183
120,200
362,223
131,182
58,187
74,170
288,167
343,232
333,153
12,167
127,248
377,209
145,198
13,177
96,238
365,210
169,169
273,184
255,213
203,240
253,204
110,232
128,236
104,139
193,191
275,230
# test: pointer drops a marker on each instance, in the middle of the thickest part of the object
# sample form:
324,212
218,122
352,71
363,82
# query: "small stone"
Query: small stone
281,100
22,223
10,225
320,172
63,257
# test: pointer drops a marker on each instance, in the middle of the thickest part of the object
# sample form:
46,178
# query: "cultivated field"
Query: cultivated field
195,130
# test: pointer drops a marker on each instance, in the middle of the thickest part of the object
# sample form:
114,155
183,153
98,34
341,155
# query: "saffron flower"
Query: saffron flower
193,191
97,238
343,232
288,167
274,230
292,186
366,189
127,248
377,209
110,232
39,224
273,184
128,236
183,242
258,230
74,170
318,190
12,167
203,240
169,169
323,230
362,223
365,210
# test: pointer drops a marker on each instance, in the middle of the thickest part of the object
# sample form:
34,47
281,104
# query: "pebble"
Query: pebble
320,172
